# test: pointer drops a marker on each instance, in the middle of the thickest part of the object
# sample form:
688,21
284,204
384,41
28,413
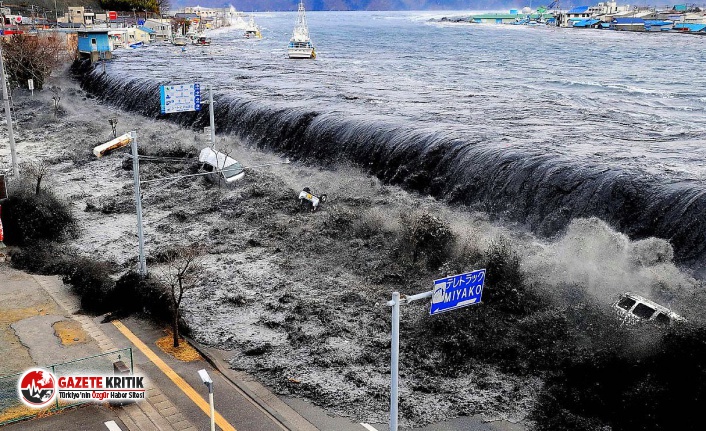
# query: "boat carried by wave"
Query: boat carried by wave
252,31
300,45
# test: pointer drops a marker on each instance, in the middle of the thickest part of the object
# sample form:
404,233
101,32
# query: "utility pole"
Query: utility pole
142,263
211,117
8,117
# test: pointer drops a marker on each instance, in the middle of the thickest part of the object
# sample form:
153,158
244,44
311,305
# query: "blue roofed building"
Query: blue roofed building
603,11
149,37
658,25
94,44
587,23
690,28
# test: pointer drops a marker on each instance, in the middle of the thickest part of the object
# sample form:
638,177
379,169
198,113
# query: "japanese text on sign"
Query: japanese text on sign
180,98
457,291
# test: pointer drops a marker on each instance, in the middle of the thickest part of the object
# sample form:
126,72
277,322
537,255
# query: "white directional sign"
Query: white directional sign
180,98
457,291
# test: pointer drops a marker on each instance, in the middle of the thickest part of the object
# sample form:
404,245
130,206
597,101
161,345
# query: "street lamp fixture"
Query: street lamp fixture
206,379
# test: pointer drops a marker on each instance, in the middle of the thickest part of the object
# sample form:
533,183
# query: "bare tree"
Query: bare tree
162,6
36,170
183,271
32,57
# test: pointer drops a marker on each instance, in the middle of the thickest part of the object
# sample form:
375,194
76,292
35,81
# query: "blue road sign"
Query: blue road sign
457,291
180,98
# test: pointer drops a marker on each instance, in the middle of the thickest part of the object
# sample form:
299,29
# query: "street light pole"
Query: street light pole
211,116
394,359
206,379
142,263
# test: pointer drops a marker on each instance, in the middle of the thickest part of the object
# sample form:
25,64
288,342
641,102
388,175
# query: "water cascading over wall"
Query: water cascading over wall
545,191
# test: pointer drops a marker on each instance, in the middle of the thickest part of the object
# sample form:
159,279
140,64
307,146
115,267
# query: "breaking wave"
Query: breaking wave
544,191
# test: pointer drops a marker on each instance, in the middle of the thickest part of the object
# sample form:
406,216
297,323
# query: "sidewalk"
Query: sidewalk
39,326
34,310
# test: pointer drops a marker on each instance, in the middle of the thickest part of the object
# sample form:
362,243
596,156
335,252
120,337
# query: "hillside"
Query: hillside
41,6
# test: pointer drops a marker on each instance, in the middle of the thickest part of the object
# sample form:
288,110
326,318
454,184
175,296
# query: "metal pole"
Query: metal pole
210,114
210,401
142,264
8,117
394,360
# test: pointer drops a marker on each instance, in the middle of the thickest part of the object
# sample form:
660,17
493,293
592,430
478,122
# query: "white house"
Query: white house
162,28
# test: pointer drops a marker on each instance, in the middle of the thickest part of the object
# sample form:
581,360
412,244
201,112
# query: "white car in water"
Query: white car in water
634,308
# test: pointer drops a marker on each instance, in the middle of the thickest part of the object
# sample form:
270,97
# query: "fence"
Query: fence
12,409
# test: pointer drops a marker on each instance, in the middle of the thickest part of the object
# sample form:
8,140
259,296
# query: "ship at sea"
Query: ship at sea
300,45
252,30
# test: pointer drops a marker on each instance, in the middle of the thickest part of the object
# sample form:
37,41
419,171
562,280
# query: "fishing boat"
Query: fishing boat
202,40
300,44
180,40
252,31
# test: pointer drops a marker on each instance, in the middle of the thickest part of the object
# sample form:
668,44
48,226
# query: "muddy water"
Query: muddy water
277,278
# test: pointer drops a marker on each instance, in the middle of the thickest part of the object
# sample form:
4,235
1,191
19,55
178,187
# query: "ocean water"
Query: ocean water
537,124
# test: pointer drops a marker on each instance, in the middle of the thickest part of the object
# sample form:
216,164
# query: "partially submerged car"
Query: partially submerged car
307,197
634,308
214,161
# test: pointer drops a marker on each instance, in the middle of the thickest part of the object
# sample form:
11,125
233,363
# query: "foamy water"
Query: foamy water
540,124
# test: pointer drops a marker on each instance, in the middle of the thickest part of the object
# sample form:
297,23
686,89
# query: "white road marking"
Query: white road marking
112,426
368,427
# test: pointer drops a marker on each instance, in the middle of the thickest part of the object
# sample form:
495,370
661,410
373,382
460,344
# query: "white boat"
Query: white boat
180,40
300,44
252,31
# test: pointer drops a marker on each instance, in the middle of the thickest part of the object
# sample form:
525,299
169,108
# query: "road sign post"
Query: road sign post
211,117
450,293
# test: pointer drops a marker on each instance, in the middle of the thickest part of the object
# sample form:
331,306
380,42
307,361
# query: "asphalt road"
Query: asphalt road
237,409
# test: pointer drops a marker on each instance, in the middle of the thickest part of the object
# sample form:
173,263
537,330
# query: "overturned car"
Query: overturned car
632,309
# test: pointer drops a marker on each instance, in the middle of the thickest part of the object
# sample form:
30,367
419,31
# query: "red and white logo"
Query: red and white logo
36,388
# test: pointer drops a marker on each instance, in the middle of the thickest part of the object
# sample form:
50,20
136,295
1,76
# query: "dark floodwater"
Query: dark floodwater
539,124
610,97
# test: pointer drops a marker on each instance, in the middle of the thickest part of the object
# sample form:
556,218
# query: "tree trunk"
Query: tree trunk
39,182
175,329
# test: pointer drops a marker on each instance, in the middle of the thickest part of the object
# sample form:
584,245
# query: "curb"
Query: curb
215,363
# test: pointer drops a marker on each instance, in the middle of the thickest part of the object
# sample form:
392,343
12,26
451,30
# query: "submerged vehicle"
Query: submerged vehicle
307,198
214,161
203,41
632,309
300,45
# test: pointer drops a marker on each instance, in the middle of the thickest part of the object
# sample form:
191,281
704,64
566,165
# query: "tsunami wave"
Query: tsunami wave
543,191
